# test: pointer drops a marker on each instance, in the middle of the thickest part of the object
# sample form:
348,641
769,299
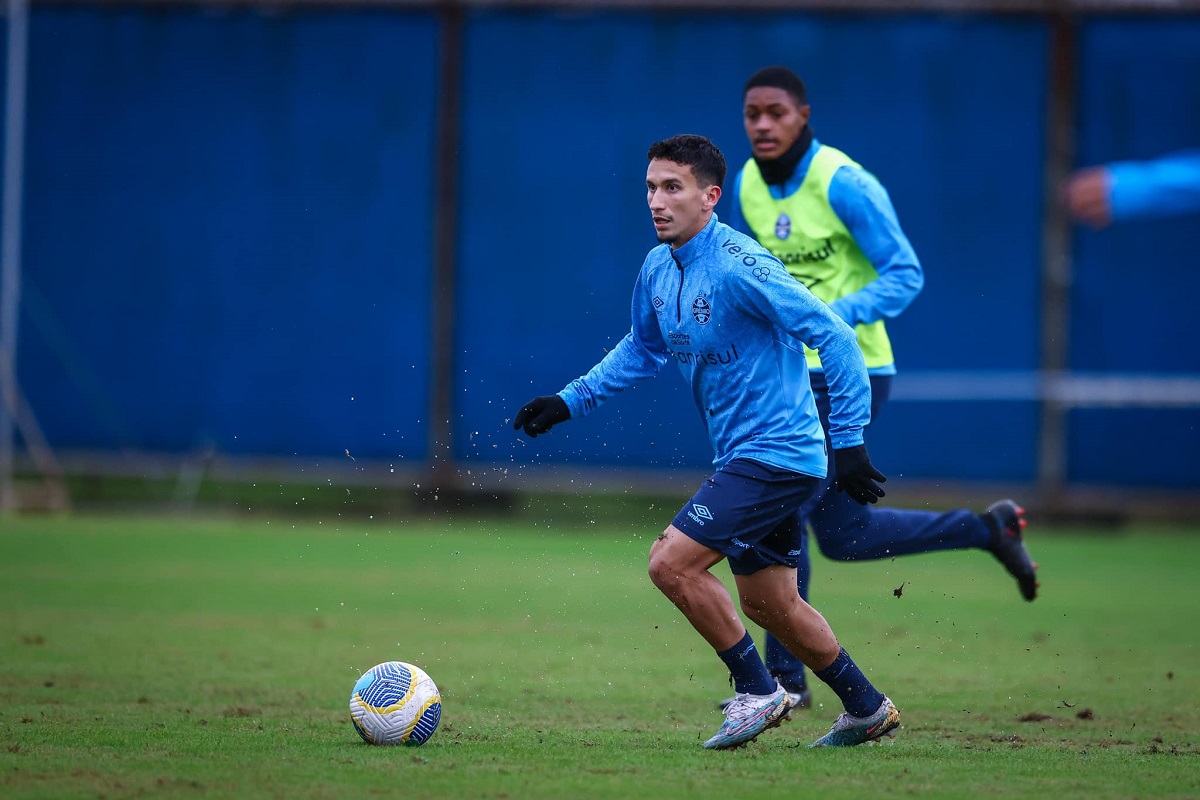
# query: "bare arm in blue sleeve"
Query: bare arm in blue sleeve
1167,186
863,206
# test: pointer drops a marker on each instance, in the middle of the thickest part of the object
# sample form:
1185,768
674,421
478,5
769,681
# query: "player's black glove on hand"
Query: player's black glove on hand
541,414
855,475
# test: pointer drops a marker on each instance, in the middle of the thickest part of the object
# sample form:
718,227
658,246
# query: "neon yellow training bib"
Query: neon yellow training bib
803,232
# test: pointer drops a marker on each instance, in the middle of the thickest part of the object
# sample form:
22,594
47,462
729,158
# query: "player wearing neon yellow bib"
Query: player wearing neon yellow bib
833,226
803,230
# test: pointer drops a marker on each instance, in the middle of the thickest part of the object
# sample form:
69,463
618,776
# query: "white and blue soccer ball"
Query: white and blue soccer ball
395,703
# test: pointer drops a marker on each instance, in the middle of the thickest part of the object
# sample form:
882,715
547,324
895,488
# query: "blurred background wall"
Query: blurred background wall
291,233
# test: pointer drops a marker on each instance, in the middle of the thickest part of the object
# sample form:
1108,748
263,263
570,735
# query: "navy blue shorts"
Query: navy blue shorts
750,512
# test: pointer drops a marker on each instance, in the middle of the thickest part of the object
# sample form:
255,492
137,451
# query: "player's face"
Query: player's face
679,206
773,120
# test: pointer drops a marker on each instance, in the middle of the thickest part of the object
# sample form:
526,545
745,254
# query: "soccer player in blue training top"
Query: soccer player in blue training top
725,311
1124,190
831,223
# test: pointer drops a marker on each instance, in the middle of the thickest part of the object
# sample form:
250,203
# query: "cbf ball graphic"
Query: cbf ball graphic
395,703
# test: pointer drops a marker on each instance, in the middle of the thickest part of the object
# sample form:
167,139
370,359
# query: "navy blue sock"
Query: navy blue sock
859,697
745,665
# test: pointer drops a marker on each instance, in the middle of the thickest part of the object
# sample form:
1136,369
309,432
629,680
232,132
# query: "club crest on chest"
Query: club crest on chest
783,227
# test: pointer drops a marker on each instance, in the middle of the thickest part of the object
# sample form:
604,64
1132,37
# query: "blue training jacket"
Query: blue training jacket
731,317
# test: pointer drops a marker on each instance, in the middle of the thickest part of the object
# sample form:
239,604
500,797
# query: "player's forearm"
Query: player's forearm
625,365
849,385
1162,187
864,207
883,298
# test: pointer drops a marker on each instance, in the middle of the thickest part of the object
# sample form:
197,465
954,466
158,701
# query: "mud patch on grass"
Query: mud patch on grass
241,711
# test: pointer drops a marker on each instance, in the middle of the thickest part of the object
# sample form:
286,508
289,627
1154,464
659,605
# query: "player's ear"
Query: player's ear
711,195
805,110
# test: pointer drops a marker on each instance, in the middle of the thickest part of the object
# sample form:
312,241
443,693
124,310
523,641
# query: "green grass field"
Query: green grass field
162,657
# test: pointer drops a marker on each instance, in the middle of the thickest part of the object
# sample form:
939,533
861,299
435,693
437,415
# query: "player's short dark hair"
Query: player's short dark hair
779,78
697,152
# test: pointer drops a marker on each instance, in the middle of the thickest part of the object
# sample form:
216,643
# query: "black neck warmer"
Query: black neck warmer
776,171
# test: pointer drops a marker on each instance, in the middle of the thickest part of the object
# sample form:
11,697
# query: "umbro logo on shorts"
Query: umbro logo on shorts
698,514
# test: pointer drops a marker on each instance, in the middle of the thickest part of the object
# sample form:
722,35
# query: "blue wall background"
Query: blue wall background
227,230
228,220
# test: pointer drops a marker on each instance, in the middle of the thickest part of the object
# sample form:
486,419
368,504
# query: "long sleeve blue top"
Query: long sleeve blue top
863,206
1161,187
732,319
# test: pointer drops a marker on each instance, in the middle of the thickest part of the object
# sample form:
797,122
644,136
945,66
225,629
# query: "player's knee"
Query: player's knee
758,616
755,611
663,573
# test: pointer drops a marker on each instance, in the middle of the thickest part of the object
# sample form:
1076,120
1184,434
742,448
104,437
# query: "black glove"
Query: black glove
541,414
855,476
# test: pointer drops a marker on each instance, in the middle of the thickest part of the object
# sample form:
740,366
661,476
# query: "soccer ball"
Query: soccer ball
395,703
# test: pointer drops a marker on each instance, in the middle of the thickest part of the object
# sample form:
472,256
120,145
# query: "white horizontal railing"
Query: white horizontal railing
1068,389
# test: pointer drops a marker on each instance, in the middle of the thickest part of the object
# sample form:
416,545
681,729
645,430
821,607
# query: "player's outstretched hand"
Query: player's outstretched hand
856,476
1087,194
541,414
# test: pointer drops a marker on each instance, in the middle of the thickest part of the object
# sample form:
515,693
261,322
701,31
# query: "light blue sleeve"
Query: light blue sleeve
1162,187
863,206
640,355
786,303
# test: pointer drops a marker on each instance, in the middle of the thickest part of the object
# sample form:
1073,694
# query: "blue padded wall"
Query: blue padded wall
227,225
228,217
